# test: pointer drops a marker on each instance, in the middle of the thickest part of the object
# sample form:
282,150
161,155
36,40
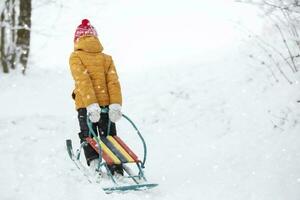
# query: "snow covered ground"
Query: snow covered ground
216,126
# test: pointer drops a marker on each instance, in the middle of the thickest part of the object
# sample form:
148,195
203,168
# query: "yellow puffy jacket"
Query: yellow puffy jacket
94,73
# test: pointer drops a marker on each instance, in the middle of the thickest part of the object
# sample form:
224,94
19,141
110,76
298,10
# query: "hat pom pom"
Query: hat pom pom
85,22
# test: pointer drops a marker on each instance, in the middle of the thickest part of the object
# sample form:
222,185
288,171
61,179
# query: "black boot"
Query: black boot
116,169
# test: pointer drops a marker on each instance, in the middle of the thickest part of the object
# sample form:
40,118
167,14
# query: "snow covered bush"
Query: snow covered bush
280,44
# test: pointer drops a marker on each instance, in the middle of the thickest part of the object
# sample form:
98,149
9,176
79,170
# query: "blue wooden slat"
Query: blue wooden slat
114,149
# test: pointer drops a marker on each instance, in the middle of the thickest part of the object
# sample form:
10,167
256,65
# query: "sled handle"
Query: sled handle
141,137
91,132
139,134
105,110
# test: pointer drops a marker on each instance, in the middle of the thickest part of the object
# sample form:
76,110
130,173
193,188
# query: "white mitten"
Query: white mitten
93,112
114,112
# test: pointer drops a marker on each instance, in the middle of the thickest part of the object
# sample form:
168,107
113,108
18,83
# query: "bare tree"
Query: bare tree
23,33
5,36
284,15
15,21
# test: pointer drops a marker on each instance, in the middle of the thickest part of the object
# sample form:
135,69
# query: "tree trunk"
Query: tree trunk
23,33
13,35
3,43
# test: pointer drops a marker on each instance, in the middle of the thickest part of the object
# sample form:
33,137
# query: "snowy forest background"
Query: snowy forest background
213,86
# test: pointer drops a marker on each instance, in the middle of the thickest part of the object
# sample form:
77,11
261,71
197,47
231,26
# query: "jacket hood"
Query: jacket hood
88,44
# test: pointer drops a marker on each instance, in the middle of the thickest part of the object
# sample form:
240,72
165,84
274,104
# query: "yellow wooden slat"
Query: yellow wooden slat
109,153
121,149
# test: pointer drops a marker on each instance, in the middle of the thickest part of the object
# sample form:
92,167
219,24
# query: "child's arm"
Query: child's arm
82,80
113,84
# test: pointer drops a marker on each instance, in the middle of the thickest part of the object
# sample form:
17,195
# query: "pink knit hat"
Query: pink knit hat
85,28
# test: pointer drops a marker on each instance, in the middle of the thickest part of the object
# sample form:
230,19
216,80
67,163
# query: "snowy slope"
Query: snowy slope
216,128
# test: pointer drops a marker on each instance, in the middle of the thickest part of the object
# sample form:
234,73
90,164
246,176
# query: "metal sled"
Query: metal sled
113,150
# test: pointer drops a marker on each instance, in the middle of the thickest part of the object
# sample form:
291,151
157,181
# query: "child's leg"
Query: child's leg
103,125
89,152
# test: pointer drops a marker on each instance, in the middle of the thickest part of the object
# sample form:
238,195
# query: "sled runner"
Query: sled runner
113,150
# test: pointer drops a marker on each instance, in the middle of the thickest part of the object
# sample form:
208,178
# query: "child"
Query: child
96,87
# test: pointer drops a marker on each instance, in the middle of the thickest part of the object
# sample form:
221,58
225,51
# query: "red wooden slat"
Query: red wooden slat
126,148
94,144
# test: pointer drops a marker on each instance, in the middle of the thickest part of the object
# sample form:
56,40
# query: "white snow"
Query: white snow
216,124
